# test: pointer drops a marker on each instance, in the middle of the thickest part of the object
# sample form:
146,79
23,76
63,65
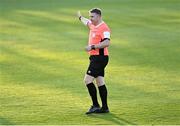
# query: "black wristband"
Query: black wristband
92,47
80,17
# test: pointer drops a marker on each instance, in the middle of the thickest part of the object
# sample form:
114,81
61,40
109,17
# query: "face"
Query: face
94,18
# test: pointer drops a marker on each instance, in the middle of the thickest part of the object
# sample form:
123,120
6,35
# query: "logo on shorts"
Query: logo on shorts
89,71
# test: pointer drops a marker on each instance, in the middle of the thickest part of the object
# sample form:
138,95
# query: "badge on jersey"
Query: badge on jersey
106,34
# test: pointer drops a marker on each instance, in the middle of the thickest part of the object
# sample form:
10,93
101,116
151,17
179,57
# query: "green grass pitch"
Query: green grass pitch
43,62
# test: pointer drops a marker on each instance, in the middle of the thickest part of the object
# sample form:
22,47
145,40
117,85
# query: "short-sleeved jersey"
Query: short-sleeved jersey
96,35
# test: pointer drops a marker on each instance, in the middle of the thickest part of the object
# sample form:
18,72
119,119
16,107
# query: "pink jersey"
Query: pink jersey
96,35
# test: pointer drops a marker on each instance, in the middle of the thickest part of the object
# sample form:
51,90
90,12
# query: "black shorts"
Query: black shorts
97,65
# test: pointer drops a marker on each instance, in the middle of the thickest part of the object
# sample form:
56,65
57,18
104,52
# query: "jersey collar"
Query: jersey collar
99,24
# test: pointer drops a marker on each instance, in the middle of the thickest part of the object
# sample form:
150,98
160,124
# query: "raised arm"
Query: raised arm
84,20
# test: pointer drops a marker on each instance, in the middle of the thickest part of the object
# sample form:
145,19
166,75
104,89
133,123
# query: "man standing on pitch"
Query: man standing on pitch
99,40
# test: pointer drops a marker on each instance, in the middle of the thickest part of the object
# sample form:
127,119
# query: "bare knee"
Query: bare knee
99,84
88,79
100,81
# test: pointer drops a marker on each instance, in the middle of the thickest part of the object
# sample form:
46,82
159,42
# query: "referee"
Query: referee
99,40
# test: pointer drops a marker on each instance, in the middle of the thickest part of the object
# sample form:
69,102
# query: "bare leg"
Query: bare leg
100,81
88,79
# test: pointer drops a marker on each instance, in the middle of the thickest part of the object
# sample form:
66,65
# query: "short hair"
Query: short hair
96,10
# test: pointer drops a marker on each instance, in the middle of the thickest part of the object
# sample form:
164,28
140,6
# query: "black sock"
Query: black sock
93,93
103,95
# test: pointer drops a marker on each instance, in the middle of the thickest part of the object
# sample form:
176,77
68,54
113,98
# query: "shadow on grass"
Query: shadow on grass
4,121
112,118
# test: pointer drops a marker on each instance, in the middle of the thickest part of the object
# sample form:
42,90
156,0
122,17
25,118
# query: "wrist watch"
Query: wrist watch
92,47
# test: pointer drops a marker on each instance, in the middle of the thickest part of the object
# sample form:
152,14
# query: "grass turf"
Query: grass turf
42,62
